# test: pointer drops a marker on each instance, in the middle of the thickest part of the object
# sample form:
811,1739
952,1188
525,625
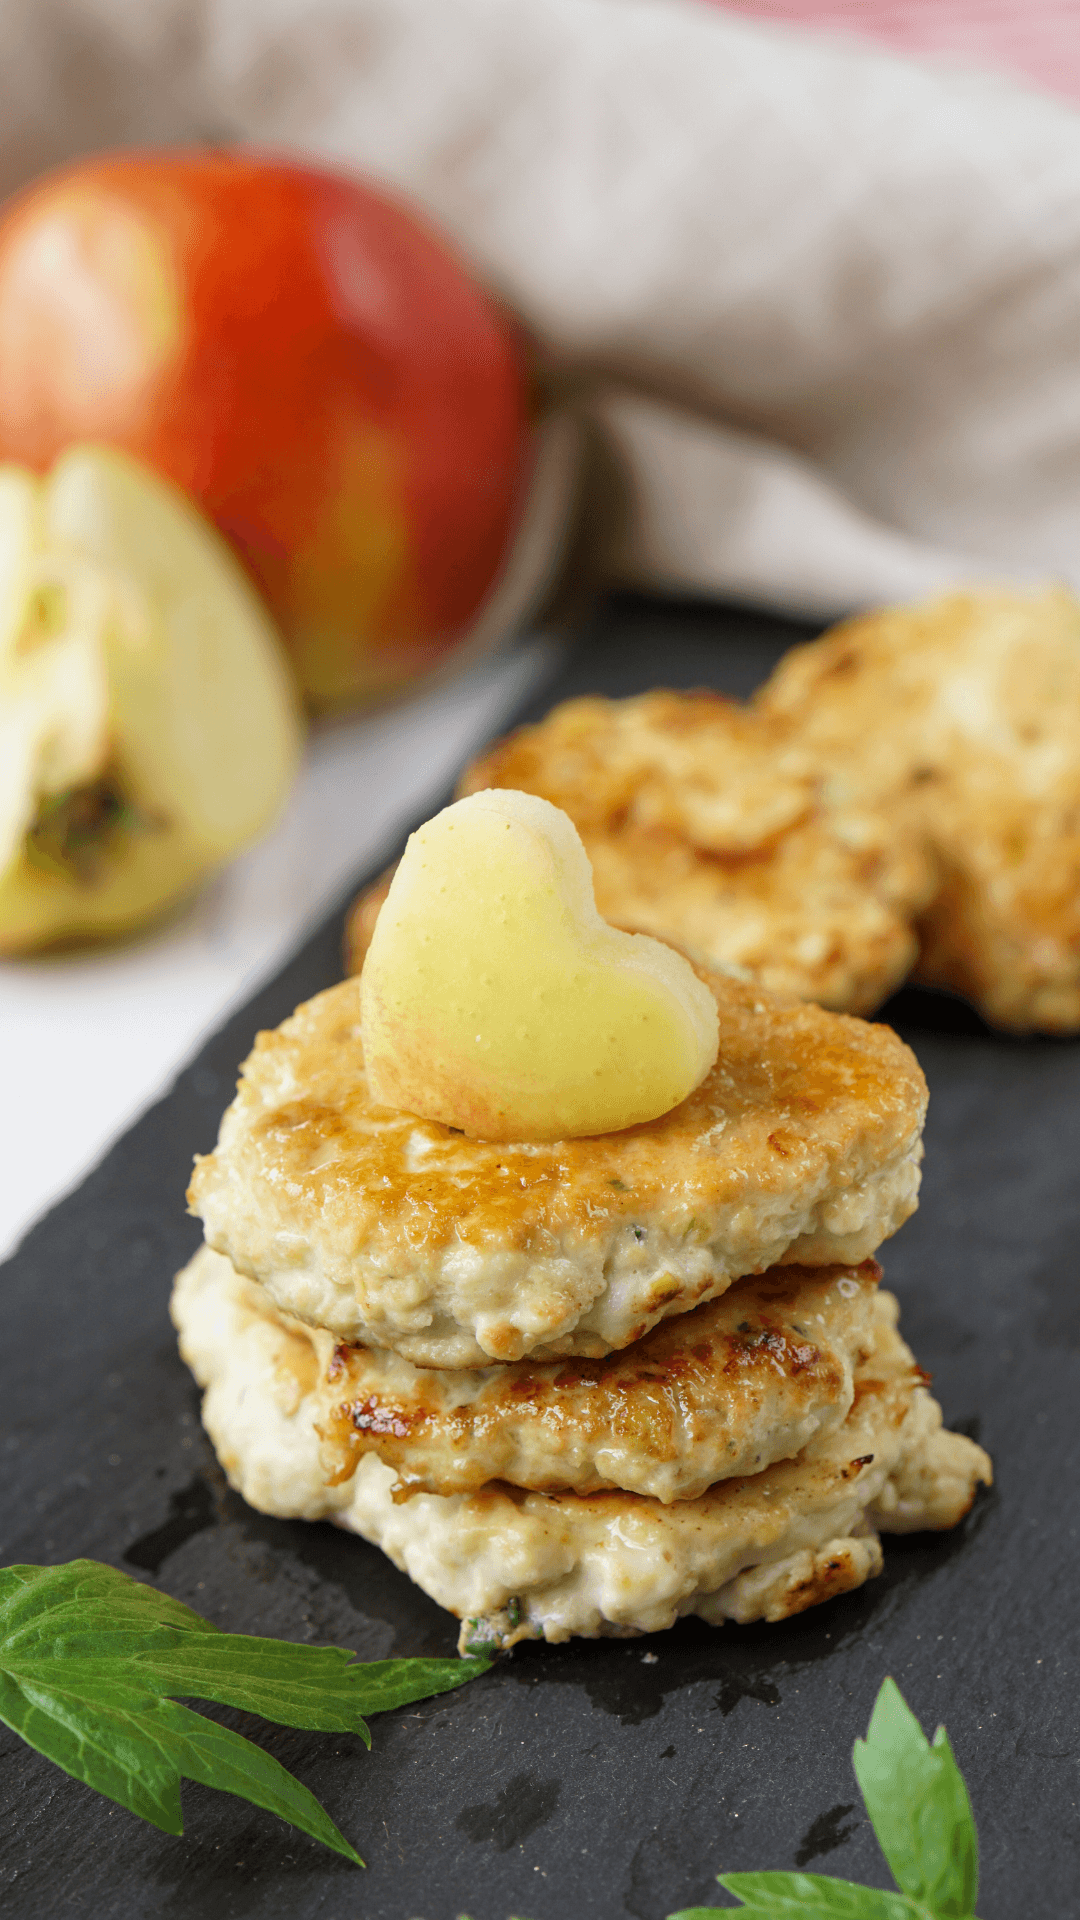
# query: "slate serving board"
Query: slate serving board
602,1779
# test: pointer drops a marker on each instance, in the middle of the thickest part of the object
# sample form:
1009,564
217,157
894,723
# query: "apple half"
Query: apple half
148,723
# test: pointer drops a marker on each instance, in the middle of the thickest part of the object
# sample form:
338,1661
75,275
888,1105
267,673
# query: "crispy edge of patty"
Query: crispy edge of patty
802,1144
722,1390
515,1565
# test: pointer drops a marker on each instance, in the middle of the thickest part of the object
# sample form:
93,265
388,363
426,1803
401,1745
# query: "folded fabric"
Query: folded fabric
1037,38
819,305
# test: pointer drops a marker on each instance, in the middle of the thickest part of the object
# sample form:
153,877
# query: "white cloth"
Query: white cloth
825,303
822,306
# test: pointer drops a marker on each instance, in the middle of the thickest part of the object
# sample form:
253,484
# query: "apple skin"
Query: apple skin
307,361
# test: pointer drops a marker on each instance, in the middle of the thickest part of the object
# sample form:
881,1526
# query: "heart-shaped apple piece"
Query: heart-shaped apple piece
495,999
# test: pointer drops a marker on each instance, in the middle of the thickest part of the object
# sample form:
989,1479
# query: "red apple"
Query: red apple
307,360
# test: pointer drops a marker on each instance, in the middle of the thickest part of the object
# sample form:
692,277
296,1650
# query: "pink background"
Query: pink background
1039,38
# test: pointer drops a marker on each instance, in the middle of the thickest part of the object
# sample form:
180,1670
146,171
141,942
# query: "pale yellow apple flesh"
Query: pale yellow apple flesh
495,999
148,725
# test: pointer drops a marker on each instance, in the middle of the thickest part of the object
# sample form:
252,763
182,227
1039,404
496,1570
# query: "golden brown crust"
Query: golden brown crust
905,792
726,1389
962,720
709,825
515,1564
802,1143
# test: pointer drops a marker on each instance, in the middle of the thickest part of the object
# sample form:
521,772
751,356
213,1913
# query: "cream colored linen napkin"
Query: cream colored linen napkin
822,305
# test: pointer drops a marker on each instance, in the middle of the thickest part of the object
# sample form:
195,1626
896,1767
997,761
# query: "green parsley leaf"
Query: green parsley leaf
806,1896
918,1803
916,1797
91,1663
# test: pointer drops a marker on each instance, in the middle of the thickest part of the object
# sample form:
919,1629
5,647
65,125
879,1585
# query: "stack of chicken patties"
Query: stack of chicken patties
589,1386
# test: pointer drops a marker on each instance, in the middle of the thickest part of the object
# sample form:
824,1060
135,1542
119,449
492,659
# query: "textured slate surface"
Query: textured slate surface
601,1779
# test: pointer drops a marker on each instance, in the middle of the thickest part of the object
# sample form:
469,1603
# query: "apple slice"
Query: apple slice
148,725
495,999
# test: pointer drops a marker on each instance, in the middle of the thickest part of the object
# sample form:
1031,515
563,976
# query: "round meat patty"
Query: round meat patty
709,824
959,722
727,1389
518,1565
802,1144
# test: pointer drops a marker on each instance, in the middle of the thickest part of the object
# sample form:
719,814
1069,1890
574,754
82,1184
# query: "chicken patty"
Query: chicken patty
903,795
726,1389
802,1144
518,1565
961,721
711,827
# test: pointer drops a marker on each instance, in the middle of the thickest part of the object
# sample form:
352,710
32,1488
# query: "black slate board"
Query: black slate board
606,1779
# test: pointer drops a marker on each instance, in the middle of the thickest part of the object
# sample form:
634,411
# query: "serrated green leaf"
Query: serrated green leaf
91,1663
918,1803
218,1757
83,1596
107,1749
814,1896
397,1683
917,1800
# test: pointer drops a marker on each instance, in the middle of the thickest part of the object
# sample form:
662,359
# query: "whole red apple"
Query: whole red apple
307,360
